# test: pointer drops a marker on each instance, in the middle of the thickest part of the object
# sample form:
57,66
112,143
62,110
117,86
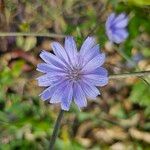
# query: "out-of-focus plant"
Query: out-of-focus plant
27,123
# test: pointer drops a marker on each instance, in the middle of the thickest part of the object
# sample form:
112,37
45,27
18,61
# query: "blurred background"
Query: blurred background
118,120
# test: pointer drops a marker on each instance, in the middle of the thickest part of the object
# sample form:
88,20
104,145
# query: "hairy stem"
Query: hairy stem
53,35
130,74
56,128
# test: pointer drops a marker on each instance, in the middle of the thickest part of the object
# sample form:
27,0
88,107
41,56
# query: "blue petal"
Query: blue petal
44,80
89,90
49,78
114,25
60,51
45,68
52,59
94,63
45,95
91,54
120,35
79,96
71,49
96,80
122,24
98,71
87,45
119,18
110,20
67,97
48,92
57,95
109,33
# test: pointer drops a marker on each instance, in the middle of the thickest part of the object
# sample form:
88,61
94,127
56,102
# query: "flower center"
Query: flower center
74,74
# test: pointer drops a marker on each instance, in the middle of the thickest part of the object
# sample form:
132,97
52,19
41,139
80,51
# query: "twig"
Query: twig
53,35
127,75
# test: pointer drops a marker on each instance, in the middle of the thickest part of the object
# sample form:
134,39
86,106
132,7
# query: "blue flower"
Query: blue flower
71,74
116,27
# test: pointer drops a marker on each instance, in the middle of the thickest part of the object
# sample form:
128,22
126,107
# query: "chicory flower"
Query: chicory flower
116,27
72,75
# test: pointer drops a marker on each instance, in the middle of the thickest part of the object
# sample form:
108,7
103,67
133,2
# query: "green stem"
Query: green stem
56,128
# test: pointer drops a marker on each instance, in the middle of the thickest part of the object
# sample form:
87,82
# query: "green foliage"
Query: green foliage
68,145
26,43
139,2
141,95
